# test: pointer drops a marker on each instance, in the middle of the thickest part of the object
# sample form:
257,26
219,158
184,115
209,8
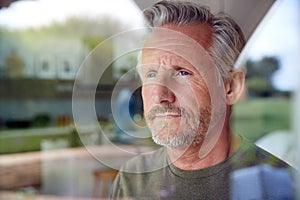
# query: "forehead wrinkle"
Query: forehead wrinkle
190,44
164,58
155,59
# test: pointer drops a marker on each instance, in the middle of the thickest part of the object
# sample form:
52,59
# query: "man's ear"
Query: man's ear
235,86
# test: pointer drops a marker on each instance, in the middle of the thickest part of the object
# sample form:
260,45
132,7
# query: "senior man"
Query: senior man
188,87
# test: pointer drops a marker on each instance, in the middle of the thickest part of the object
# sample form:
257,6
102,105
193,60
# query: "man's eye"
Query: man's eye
151,75
184,73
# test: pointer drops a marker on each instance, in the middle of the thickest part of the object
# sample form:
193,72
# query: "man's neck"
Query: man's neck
188,159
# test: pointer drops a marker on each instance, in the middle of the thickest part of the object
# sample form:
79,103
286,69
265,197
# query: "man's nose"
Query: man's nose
162,94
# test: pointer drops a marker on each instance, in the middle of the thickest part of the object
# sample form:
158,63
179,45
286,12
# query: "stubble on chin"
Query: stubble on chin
191,131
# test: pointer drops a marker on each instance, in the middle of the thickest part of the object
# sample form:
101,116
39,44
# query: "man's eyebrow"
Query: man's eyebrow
147,67
183,64
179,67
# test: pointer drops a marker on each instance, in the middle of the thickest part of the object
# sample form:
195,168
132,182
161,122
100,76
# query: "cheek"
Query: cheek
195,96
203,96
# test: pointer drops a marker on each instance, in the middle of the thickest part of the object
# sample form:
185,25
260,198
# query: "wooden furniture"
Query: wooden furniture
105,177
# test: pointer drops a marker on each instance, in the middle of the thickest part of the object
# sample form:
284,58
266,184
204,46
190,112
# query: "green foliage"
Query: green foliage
92,41
17,141
40,120
264,67
254,118
260,86
259,76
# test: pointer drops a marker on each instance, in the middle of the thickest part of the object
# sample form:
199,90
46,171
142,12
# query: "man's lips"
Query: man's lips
170,112
167,115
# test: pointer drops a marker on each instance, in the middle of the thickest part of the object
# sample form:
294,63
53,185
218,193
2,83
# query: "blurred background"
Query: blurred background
43,44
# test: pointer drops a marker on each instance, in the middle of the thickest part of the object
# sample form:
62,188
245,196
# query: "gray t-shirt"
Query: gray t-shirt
162,180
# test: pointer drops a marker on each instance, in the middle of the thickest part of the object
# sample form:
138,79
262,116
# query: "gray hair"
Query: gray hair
228,38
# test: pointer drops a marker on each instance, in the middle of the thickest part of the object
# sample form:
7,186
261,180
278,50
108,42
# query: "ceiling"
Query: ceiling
247,14
6,3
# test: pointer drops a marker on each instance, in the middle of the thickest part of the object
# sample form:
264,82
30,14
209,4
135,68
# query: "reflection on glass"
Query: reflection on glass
39,59
40,54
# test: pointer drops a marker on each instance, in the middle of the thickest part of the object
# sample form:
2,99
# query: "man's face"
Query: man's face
177,102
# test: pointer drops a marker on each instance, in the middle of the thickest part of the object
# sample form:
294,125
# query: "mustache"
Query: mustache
170,108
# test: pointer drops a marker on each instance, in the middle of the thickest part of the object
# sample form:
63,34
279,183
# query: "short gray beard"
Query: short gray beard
183,138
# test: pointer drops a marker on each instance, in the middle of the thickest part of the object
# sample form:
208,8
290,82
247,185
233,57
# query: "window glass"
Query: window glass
66,77
265,115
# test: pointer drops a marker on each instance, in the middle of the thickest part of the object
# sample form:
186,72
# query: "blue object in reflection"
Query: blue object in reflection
261,182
